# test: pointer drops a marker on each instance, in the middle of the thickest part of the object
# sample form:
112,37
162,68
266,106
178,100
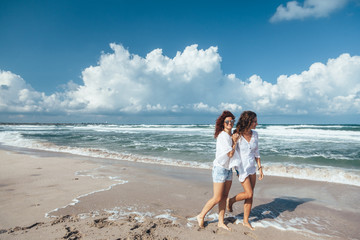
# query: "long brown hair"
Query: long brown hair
219,126
245,121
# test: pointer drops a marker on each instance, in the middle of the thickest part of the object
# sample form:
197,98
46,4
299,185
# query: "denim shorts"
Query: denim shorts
220,174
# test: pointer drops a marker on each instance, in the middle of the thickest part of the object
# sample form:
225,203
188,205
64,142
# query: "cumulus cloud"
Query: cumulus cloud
191,82
204,107
332,88
124,82
311,8
16,95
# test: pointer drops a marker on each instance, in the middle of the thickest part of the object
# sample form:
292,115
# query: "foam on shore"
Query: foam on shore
93,174
309,172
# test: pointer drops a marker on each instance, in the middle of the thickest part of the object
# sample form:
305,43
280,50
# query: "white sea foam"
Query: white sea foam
308,132
308,226
88,215
120,213
315,173
146,128
210,217
167,215
15,139
283,136
93,174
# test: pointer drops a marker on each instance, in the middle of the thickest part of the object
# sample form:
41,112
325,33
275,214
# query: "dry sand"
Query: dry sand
70,197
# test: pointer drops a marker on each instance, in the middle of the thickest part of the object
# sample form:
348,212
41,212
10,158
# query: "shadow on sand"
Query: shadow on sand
273,209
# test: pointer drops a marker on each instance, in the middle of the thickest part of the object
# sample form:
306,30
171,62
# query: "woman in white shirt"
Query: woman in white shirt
222,167
248,151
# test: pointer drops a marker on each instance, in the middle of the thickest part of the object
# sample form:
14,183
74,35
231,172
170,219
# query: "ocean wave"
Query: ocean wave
309,172
310,161
292,134
314,173
146,128
15,139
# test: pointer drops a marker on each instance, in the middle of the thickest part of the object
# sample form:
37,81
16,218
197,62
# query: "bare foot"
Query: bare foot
200,221
248,225
222,225
228,207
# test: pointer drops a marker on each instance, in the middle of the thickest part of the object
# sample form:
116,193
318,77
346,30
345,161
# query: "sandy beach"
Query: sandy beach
62,196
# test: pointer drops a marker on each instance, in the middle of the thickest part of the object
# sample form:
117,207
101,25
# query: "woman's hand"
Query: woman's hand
235,137
261,174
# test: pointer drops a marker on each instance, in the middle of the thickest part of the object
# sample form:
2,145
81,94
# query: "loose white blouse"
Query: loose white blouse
223,147
247,152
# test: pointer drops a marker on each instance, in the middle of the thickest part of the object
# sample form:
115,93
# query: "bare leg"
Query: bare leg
222,205
248,203
218,192
228,207
248,192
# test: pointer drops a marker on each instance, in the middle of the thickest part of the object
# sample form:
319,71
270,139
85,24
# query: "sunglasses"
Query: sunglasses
231,121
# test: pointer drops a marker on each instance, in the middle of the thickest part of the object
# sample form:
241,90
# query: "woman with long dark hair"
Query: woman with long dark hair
222,167
248,150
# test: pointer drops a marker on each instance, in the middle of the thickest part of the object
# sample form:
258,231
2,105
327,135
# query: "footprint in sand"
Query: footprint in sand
250,235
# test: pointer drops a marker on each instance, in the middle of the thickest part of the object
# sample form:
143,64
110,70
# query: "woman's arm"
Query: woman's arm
257,155
234,138
231,153
259,168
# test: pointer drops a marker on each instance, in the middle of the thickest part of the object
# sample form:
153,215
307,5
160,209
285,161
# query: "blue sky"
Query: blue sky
179,61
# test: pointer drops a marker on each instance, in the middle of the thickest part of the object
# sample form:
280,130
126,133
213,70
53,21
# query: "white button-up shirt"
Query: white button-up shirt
247,152
223,147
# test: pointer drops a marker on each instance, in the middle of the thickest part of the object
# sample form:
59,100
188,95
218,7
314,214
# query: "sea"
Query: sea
328,153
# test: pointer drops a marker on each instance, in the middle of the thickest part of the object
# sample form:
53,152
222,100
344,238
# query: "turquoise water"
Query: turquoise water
316,152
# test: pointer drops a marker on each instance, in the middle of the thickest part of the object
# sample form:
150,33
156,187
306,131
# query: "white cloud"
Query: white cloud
311,8
233,107
157,107
123,83
16,95
204,107
332,88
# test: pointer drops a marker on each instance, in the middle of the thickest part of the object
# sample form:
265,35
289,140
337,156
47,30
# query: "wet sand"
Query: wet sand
61,196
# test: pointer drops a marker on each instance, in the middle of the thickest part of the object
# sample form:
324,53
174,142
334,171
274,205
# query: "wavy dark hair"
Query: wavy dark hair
219,126
245,121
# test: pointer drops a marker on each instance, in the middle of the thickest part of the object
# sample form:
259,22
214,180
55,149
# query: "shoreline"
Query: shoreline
317,173
124,198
